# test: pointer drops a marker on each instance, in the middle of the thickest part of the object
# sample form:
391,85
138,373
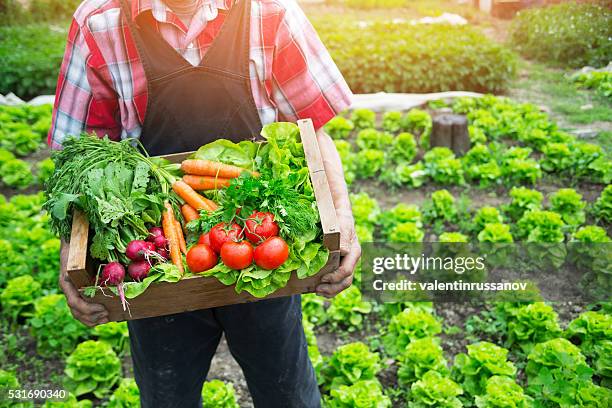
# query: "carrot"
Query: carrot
181,237
171,234
189,213
205,182
212,168
211,204
192,198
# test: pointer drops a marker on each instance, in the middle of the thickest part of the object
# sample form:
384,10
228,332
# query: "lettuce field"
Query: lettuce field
528,176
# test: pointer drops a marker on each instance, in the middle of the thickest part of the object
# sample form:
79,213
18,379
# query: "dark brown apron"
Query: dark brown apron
189,106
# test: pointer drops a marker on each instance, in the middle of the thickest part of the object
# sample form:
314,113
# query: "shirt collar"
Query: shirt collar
163,14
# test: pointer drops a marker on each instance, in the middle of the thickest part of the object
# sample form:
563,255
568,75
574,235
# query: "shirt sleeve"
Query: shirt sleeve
84,99
306,83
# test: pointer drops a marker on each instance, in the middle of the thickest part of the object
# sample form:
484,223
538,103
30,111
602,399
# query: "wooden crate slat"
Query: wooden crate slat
320,185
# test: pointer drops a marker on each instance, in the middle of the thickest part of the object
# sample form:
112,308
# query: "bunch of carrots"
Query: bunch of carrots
199,175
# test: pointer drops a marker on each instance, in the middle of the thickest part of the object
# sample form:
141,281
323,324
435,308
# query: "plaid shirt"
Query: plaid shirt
102,86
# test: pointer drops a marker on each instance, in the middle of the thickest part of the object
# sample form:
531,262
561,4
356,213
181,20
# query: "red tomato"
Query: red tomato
237,255
222,233
201,258
260,226
204,239
272,253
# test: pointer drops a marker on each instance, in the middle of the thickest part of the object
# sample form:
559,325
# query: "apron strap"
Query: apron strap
157,56
230,50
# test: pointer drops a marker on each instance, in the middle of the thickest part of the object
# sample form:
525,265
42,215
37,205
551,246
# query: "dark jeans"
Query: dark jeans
172,354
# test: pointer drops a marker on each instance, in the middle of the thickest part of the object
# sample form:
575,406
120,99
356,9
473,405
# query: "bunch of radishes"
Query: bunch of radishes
142,254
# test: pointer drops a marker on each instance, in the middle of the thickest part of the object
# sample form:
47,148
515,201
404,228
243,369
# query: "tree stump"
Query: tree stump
450,130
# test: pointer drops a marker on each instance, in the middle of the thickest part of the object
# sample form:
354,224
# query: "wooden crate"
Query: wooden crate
198,292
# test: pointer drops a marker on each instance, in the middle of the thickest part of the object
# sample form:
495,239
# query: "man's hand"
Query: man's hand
90,314
335,282
350,250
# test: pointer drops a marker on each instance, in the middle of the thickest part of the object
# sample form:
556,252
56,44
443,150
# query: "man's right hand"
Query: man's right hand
90,314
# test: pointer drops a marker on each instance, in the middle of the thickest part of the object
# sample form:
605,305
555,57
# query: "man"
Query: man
178,74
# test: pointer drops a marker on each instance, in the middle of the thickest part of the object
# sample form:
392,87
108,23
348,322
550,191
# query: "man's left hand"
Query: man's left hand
350,250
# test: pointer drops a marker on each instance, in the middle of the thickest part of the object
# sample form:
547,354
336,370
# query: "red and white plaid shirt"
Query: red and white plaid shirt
102,85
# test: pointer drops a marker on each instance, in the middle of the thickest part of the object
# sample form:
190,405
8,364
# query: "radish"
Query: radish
163,252
138,249
160,241
155,232
112,274
138,270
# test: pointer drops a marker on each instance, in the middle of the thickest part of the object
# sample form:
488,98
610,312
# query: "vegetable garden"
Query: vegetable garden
525,178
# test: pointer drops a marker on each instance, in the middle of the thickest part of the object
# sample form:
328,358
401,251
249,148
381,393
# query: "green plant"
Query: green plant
30,59
93,367
569,204
392,121
541,226
44,170
479,165
373,139
434,390
589,330
544,34
69,402
482,361
557,157
54,328
349,364
486,215
399,214
339,128
523,200
411,175
347,309
418,122
420,356
406,232
9,381
401,57
126,395
449,237
532,324
217,394
363,394
443,167
16,173
115,334
600,81
18,296
502,392
19,138
440,209
496,233
588,251
602,208
368,162
348,159
557,372
403,148
518,171
365,208
409,325
363,119
591,234
313,308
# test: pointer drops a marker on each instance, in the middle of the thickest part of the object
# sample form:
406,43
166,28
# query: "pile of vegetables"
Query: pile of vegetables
244,213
